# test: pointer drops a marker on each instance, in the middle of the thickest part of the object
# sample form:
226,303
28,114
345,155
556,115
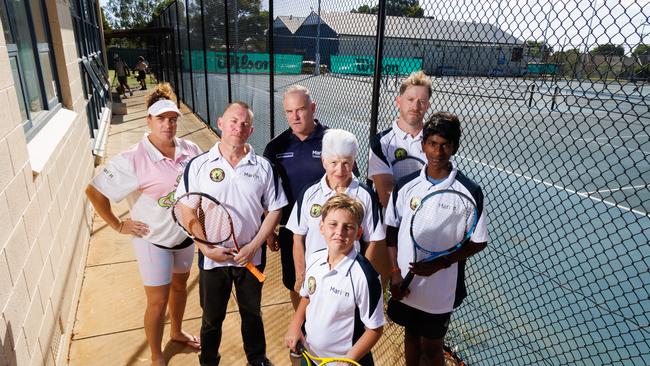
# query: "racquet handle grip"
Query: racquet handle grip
256,272
406,281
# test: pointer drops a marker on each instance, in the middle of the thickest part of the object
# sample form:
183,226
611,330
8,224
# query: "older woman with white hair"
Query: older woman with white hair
340,149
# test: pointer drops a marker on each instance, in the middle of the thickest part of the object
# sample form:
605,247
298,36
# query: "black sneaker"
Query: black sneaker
266,362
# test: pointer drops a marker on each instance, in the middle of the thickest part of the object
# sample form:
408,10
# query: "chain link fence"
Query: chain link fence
553,98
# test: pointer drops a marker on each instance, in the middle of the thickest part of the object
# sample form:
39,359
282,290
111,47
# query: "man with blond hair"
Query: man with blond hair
403,140
296,155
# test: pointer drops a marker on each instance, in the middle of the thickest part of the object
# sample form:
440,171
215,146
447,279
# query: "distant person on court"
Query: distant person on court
247,186
146,175
438,287
403,138
342,298
340,149
142,67
122,71
296,155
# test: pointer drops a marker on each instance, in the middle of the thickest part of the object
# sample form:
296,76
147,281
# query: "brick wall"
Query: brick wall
45,219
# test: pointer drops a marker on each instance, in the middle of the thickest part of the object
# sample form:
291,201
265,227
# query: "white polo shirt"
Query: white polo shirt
389,145
148,180
437,293
343,301
306,214
246,191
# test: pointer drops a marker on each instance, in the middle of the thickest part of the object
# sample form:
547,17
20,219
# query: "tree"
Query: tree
398,8
161,6
129,14
537,49
608,49
642,49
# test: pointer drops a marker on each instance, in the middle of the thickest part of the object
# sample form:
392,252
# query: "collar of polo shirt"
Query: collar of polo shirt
403,135
215,154
445,183
354,184
155,155
344,265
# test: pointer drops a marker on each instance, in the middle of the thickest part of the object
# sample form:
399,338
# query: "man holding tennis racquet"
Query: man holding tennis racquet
342,299
397,151
246,185
435,220
295,154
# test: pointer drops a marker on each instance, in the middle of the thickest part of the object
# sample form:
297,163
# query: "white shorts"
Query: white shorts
157,264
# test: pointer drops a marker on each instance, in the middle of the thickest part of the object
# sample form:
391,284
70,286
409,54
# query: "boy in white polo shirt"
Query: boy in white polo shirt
438,286
342,298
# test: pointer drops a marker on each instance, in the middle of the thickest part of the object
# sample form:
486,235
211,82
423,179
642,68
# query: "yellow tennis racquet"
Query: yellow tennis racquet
310,360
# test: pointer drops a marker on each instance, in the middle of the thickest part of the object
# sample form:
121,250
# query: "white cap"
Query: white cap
162,106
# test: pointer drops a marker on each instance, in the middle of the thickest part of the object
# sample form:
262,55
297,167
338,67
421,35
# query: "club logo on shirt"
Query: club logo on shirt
178,179
166,201
315,210
311,285
315,154
400,154
217,175
415,203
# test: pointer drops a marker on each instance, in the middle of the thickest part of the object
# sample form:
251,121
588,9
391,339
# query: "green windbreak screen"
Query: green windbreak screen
365,65
246,63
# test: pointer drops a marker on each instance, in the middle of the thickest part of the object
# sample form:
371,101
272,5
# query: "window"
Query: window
94,78
31,59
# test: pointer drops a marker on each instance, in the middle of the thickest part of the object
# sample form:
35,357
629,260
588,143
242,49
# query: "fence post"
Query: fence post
205,65
271,72
556,91
227,22
379,51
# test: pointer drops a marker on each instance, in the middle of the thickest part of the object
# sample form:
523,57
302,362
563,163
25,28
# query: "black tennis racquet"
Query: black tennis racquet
207,221
405,166
435,226
310,360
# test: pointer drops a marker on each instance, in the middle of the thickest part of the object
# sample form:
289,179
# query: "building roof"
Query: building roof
355,24
292,23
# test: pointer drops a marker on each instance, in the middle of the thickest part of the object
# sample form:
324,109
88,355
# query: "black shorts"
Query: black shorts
122,80
432,326
285,238
141,75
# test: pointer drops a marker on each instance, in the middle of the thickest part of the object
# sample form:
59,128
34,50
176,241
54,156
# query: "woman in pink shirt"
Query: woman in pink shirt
146,175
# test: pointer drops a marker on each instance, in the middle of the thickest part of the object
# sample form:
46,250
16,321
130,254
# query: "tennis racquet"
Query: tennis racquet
310,360
207,221
435,226
405,166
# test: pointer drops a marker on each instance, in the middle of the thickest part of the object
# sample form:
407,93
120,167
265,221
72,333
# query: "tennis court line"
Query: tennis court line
618,189
578,138
623,137
561,188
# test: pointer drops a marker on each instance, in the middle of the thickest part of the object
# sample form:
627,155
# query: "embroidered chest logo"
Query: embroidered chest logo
315,209
315,154
217,175
400,153
415,203
311,285
168,200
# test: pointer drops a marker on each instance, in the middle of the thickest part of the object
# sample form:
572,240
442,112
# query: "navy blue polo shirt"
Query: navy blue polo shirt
297,162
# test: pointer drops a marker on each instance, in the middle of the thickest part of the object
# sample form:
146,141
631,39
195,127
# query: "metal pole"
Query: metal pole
379,54
228,51
271,72
205,65
317,57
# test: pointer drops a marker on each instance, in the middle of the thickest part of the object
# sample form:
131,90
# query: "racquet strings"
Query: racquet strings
203,218
437,212
405,166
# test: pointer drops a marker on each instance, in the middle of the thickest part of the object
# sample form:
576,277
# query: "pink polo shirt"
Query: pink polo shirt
148,180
